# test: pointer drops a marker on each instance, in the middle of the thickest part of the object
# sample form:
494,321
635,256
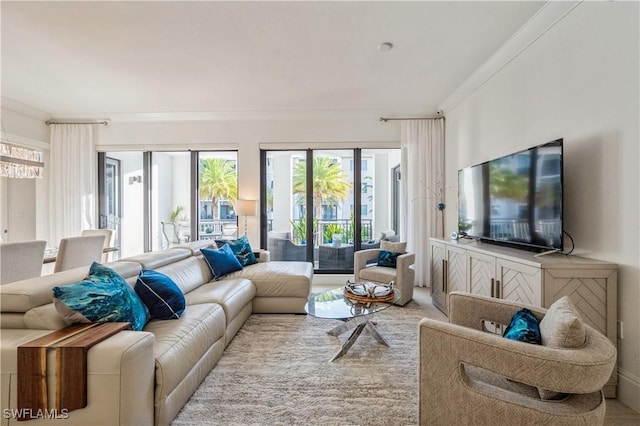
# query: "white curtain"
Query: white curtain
422,183
72,180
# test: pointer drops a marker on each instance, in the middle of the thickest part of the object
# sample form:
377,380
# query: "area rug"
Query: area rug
276,371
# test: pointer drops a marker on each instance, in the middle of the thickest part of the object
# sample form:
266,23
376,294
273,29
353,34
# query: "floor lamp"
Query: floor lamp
246,208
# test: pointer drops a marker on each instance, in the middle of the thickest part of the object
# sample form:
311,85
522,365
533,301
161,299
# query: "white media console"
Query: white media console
519,275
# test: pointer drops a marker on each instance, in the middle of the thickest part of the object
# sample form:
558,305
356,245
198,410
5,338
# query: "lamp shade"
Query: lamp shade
246,207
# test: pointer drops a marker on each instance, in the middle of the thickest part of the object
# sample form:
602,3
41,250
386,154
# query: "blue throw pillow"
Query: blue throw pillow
162,296
388,258
104,296
524,327
241,249
221,261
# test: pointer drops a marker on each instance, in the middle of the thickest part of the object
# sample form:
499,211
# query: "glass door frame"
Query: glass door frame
309,207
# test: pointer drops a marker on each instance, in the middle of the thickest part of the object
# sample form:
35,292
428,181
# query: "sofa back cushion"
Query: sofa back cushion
21,296
188,274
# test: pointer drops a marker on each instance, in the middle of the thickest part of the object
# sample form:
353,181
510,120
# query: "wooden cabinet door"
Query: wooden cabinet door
592,291
456,270
438,295
519,282
482,270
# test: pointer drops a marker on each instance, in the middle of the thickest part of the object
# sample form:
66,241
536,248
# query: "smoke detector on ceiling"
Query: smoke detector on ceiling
385,46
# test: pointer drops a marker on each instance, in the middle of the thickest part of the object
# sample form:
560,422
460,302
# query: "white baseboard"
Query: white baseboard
629,389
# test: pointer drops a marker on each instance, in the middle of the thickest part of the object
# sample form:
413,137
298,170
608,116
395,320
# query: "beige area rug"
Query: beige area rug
276,371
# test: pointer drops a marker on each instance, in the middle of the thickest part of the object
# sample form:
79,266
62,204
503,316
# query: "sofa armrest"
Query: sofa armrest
262,255
120,377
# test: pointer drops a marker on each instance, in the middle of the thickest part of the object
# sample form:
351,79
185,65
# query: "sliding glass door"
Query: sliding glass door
322,205
158,199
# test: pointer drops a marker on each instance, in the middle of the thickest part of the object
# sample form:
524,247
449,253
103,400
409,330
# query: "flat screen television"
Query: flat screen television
514,200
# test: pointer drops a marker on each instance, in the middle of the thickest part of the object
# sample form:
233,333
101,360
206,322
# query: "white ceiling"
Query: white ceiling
118,59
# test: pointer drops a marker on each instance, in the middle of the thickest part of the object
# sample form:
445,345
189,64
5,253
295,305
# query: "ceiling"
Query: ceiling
137,58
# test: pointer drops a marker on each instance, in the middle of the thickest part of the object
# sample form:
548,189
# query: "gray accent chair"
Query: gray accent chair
339,258
281,247
21,260
468,375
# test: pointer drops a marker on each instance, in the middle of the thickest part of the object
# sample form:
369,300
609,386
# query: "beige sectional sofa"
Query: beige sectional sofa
145,377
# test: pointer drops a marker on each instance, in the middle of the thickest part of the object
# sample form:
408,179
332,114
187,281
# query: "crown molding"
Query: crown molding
545,19
23,109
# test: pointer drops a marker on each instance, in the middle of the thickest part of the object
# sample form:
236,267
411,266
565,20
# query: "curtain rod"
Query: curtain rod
103,122
385,119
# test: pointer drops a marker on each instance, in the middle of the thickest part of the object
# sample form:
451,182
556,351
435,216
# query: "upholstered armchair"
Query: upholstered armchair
402,275
468,375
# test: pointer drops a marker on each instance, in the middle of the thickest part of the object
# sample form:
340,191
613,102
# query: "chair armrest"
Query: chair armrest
443,347
470,310
405,260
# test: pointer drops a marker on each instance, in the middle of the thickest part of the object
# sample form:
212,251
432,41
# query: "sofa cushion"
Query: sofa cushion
562,326
45,317
21,296
233,294
278,278
241,249
221,261
160,294
379,274
103,297
180,344
188,273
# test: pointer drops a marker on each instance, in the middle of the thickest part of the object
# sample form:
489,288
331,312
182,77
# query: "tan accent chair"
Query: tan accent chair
471,376
74,252
108,239
21,260
364,269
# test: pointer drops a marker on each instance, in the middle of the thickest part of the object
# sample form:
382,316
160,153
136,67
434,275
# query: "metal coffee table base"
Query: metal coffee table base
359,324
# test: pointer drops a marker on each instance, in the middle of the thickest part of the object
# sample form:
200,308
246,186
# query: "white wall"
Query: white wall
579,81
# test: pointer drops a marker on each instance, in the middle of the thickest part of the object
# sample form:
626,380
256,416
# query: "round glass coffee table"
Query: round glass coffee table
356,316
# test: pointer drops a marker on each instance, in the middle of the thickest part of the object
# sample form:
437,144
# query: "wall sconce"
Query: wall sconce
135,179
19,162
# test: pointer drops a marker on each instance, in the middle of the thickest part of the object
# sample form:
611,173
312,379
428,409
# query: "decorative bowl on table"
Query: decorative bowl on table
368,292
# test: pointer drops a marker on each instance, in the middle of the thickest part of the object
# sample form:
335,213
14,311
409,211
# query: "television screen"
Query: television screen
515,199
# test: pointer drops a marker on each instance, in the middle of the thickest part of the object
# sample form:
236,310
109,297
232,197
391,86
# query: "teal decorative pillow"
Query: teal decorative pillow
388,258
221,261
104,296
524,327
160,294
241,249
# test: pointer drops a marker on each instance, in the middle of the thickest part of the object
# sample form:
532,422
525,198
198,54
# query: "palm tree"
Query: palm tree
218,180
330,183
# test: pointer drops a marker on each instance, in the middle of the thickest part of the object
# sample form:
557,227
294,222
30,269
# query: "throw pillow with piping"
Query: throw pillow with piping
160,294
221,261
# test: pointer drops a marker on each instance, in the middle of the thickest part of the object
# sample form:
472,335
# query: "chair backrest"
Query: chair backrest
108,239
74,252
170,232
21,260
